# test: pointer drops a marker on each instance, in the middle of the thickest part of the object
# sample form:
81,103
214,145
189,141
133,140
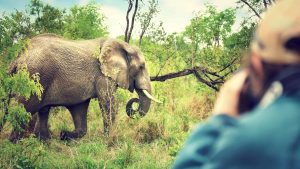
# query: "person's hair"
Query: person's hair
293,44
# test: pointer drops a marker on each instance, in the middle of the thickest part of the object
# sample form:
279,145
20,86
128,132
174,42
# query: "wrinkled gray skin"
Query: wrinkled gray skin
71,75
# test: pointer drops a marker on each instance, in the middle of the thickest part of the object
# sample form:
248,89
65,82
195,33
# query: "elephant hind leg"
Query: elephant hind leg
41,128
79,115
16,135
32,123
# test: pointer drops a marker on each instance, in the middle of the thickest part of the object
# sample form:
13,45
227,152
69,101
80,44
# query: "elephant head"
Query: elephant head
125,65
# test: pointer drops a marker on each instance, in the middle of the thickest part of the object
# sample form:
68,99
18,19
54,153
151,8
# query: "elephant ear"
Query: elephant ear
114,61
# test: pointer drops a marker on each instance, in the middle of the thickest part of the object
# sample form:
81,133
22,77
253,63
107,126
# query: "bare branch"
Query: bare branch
132,20
146,18
252,8
200,79
228,65
265,4
210,83
127,20
165,77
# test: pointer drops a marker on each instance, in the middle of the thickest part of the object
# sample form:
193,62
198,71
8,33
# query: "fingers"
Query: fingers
228,97
235,84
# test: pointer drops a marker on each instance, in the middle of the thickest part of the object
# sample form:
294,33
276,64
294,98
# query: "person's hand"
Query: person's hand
229,95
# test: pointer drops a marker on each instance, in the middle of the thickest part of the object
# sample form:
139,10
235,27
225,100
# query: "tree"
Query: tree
201,47
207,31
36,7
48,19
85,22
51,20
130,24
242,38
146,18
211,27
14,27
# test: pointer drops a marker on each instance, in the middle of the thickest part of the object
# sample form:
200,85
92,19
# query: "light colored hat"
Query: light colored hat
280,24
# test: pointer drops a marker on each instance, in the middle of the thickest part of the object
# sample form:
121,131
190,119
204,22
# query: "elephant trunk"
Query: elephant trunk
143,101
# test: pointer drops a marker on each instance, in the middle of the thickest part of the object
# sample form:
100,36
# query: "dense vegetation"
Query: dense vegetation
208,45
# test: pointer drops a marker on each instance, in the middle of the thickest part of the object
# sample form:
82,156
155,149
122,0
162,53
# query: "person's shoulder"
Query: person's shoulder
283,109
271,126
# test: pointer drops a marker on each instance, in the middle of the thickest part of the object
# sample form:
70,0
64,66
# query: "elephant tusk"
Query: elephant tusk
150,96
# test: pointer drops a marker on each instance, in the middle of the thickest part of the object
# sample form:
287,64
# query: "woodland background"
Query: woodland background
187,69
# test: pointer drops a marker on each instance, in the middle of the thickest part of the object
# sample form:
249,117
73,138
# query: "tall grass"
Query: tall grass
149,142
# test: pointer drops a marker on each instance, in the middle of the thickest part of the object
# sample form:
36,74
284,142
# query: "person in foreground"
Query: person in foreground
267,135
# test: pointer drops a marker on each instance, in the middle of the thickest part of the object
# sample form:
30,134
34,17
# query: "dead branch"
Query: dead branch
132,20
211,82
165,77
252,8
265,4
127,20
228,65
208,83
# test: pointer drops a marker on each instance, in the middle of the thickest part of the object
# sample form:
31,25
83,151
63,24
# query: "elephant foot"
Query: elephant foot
67,135
43,136
15,136
64,135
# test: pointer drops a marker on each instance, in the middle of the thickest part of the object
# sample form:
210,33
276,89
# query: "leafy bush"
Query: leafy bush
20,85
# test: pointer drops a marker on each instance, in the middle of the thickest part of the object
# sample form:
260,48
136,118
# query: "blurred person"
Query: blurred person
256,121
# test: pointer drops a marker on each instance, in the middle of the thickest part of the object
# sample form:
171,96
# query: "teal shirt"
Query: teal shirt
266,138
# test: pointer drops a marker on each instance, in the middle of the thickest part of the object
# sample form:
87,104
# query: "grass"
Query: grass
149,142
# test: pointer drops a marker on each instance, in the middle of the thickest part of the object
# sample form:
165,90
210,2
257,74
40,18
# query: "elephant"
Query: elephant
72,72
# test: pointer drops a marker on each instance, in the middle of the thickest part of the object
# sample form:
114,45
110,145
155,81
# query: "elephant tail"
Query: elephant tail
13,68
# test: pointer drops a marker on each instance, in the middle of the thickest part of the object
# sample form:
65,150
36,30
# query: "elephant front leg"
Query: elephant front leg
79,115
108,108
107,105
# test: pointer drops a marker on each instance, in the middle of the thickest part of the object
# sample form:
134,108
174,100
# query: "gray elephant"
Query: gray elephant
72,72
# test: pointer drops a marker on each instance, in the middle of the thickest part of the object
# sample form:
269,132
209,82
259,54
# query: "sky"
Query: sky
175,14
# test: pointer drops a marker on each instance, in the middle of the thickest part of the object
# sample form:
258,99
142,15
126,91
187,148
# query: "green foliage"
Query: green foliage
211,27
50,20
29,153
149,142
146,18
242,38
13,27
84,22
20,85
18,117
125,156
